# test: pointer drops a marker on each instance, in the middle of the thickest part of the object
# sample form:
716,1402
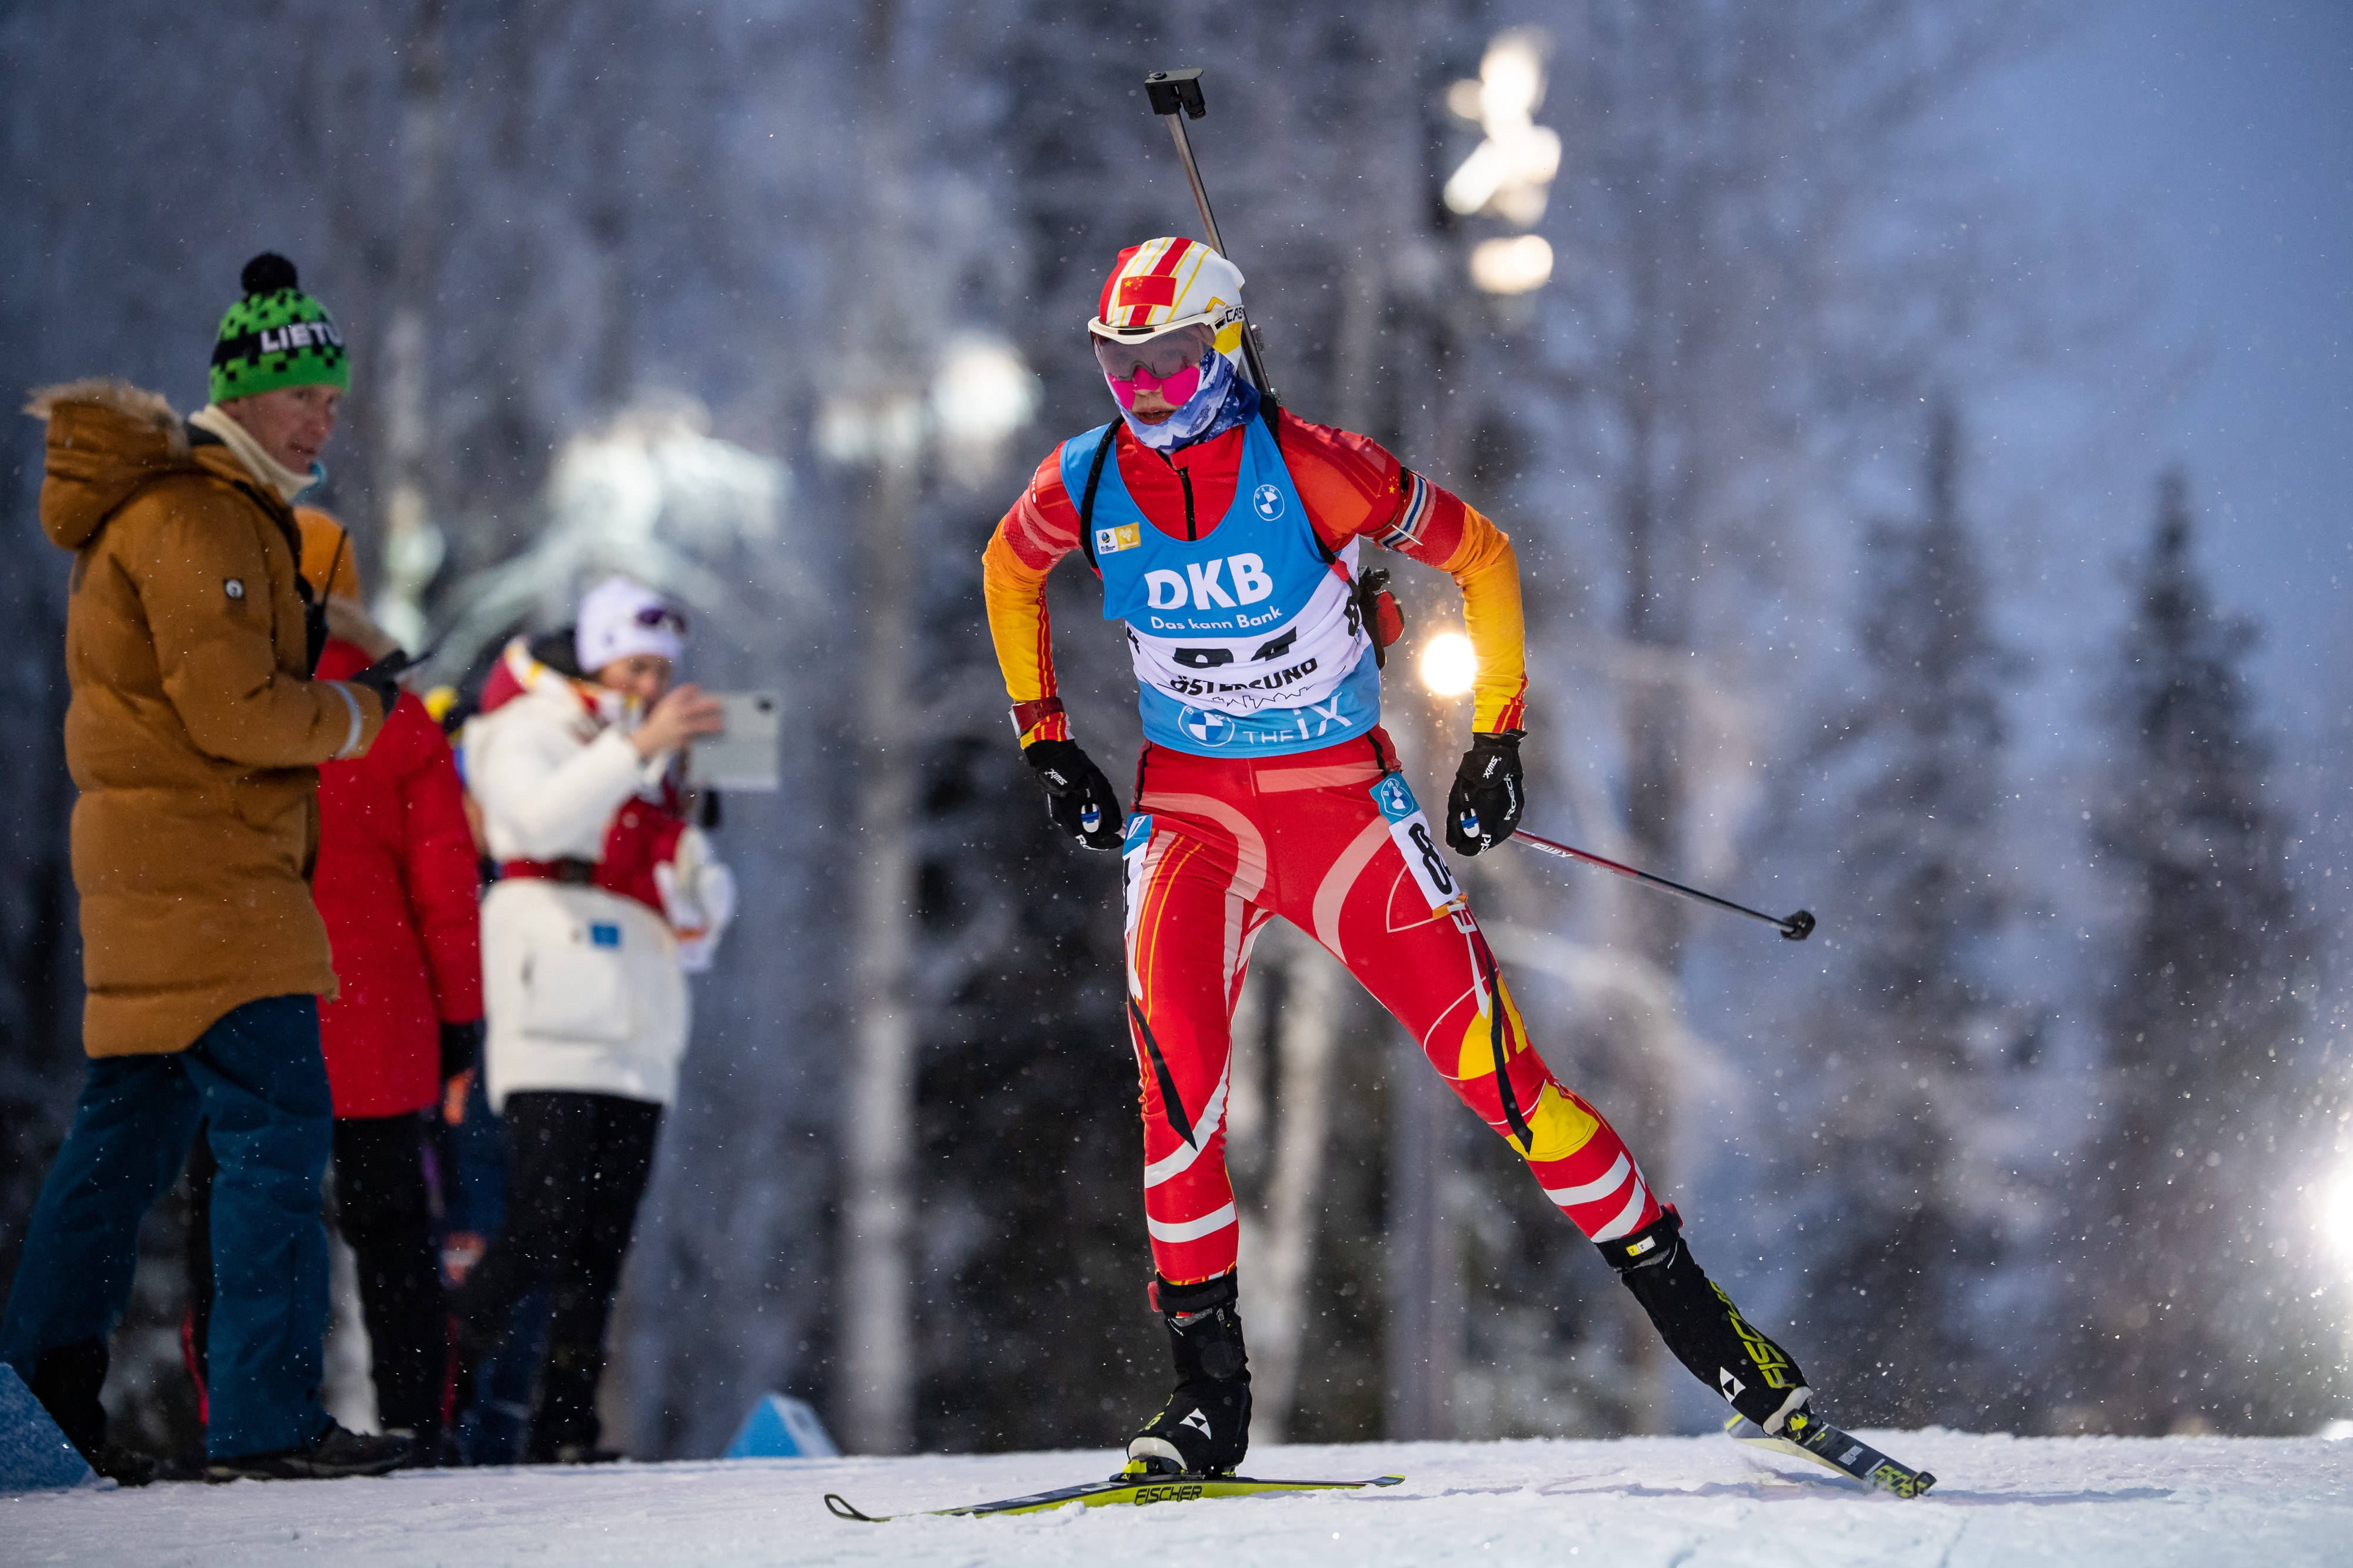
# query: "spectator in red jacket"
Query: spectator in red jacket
397,885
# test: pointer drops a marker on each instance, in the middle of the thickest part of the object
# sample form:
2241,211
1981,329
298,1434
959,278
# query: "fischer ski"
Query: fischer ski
1812,1437
1119,1489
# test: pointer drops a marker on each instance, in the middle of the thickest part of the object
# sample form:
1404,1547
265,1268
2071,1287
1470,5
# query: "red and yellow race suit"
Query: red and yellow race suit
1327,839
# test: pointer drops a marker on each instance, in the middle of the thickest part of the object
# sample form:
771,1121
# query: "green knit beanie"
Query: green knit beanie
276,336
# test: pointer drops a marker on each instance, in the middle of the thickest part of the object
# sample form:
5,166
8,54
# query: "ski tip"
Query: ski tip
840,1507
1920,1483
1387,1482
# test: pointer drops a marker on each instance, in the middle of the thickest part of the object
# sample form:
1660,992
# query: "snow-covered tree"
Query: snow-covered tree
1915,1020
2197,1267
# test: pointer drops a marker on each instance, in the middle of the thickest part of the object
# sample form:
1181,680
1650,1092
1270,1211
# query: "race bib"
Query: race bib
1411,830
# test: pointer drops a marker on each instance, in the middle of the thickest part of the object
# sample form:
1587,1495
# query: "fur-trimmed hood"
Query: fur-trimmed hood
106,439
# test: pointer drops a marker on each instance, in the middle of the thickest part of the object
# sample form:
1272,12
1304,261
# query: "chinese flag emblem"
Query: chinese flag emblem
1146,291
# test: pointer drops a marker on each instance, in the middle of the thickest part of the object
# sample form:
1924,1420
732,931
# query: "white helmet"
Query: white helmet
1165,284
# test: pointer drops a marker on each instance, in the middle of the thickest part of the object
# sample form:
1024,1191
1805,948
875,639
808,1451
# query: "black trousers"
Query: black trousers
577,1165
385,1216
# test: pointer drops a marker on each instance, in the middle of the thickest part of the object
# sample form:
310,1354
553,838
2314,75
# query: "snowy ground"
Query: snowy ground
2085,1503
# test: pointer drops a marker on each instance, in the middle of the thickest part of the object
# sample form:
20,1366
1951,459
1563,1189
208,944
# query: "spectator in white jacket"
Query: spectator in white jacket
607,896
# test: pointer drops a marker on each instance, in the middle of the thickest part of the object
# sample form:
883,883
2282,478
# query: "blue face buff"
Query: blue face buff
1200,415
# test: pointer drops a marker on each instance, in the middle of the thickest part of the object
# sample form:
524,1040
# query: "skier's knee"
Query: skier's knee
1558,1126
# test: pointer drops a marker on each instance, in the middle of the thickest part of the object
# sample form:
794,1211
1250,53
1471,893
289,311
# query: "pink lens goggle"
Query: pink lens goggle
1170,366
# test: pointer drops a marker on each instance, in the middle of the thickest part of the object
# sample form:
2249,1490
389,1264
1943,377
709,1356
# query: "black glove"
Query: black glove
461,1048
383,677
1487,789
1077,792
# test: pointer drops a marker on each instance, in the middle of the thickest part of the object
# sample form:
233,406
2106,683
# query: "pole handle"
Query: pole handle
1170,91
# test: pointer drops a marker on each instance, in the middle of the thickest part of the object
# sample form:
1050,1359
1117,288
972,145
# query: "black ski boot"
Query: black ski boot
1204,1430
1703,1329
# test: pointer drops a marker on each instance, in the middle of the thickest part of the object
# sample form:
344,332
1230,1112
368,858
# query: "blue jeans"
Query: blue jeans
257,1083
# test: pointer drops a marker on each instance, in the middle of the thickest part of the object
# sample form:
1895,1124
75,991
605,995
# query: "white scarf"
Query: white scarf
213,419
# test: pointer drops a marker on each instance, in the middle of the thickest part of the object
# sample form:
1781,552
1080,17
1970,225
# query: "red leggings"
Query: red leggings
1220,845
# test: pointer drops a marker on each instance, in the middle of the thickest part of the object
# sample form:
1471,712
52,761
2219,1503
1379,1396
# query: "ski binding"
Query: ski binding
1137,1489
1809,1436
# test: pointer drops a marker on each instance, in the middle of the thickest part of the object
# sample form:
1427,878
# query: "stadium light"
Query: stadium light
1511,266
1507,175
2337,1213
1447,665
983,393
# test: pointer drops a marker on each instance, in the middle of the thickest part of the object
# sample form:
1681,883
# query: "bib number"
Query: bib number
1409,830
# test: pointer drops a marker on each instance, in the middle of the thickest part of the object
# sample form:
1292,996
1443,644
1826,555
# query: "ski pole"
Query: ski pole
1174,95
1794,928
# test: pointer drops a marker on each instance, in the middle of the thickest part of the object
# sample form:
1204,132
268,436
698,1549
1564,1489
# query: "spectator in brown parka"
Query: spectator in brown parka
195,735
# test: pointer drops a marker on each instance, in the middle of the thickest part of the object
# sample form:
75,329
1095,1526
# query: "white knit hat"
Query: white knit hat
619,617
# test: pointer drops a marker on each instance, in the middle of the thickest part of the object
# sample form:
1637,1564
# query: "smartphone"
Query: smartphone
748,753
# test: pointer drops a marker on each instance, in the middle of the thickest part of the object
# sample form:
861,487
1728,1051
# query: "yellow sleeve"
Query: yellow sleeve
1022,630
1485,568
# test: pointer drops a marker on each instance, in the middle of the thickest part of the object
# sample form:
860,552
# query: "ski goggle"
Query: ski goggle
1169,365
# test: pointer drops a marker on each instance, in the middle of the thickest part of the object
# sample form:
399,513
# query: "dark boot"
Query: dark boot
67,1381
564,1427
1703,1328
1204,1430
333,1455
470,1345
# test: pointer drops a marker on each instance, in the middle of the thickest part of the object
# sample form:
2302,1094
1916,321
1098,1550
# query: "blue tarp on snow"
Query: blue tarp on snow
781,1428
33,1455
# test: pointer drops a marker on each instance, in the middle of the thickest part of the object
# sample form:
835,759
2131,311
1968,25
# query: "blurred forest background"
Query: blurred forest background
1857,579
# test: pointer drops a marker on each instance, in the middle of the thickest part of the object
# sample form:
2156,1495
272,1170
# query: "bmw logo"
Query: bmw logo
1207,725
1268,501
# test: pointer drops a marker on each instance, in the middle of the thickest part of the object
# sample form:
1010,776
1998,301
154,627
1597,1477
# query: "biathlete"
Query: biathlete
1226,534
